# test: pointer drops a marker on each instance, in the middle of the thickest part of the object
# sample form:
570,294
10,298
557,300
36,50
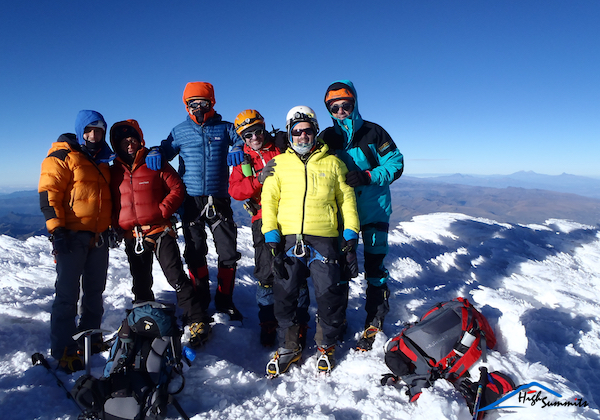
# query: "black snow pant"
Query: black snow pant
265,298
166,249
198,212
321,263
216,213
83,269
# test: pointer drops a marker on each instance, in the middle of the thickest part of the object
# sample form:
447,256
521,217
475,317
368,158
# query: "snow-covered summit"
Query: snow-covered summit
538,285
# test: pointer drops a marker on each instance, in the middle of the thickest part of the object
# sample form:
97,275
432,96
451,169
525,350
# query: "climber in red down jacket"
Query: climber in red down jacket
144,201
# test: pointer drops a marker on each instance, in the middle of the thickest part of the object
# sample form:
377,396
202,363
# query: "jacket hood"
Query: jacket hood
84,118
71,139
352,124
124,129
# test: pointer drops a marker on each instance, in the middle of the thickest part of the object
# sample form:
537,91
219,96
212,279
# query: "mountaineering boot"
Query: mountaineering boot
200,283
326,360
71,362
365,342
199,332
224,304
223,296
282,360
268,333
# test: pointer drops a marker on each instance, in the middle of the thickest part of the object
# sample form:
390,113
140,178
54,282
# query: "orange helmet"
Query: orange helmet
247,119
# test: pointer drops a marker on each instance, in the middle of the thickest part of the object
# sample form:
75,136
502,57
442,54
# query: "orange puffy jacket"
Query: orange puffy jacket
74,191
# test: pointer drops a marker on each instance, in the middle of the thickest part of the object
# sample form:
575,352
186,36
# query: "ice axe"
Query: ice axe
87,339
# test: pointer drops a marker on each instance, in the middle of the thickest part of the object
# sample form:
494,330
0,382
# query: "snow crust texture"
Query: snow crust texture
538,285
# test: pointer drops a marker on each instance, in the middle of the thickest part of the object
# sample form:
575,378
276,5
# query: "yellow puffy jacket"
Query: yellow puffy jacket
74,191
304,197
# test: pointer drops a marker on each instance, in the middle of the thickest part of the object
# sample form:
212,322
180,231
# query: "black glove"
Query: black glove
389,379
278,264
115,236
358,178
468,389
267,171
349,251
60,241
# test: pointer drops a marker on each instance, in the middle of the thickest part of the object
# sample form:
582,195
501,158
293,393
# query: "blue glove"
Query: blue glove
273,236
349,244
234,158
154,158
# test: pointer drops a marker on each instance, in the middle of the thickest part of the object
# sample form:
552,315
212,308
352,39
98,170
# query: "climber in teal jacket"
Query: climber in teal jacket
373,162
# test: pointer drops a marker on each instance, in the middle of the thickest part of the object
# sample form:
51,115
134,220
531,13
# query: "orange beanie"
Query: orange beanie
202,90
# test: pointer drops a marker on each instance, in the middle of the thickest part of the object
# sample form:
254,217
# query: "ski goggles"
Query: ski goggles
199,103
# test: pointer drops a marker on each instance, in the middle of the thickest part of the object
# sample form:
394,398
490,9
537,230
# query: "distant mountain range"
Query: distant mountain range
523,197
581,185
415,196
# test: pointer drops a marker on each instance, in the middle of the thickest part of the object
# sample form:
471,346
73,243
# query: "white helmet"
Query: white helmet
296,115
301,113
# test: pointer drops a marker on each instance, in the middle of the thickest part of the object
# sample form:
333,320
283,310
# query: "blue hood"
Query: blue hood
84,118
352,124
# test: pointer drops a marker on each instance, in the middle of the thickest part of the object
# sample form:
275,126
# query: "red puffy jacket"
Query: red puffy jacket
141,196
242,187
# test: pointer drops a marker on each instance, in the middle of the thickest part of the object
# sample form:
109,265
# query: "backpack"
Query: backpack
495,385
143,361
444,343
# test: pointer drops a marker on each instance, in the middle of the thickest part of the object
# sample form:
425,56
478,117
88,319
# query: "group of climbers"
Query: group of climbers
310,195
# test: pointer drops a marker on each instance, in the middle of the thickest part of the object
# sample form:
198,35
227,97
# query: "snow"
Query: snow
538,285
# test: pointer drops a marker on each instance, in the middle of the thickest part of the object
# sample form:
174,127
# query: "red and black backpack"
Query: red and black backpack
444,343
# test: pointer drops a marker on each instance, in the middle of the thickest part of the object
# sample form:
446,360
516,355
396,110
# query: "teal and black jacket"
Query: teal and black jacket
363,145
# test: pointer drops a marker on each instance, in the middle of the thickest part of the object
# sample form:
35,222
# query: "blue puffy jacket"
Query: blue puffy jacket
203,153
363,145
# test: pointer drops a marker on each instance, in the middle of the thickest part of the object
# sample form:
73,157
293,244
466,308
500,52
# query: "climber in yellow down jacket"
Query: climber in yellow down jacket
306,203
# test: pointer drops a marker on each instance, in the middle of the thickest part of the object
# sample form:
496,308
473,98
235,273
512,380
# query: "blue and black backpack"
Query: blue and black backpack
143,371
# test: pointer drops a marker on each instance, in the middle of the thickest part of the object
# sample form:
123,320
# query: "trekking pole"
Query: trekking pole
38,359
178,407
483,374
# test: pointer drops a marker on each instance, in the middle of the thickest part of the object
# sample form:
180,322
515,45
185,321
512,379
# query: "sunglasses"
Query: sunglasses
257,133
307,131
346,106
202,103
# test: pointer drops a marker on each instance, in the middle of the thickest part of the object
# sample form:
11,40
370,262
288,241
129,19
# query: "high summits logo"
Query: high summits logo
529,396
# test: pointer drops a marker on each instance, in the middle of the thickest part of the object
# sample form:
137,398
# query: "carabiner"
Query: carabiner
299,247
100,241
210,209
139,240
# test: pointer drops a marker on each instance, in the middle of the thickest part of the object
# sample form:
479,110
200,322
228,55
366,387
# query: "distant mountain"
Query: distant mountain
415,196
22,226
581,185
20,216
23,202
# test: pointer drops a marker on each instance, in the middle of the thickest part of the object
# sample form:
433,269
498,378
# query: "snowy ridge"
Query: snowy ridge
538,285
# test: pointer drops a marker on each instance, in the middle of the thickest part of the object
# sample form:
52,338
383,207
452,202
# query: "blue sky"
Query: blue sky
469,86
